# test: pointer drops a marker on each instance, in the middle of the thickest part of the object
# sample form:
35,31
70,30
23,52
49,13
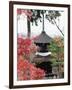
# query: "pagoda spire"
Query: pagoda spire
43,20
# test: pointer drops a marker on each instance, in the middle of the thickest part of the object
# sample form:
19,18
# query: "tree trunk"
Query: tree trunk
29,29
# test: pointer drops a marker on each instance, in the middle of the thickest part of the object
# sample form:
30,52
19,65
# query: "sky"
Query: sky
50,29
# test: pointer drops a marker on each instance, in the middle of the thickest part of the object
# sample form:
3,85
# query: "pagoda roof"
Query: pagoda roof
43,38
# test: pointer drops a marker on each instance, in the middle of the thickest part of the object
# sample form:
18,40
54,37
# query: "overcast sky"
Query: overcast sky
50,29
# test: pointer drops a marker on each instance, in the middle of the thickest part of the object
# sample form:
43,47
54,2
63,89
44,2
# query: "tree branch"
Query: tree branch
58,27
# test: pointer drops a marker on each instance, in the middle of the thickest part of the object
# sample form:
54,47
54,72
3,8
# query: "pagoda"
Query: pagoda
42,57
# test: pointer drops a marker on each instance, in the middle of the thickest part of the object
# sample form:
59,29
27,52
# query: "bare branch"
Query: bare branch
58,27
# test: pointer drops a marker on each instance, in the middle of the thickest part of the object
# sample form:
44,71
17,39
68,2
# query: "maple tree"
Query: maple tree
26,47
57,49
25,69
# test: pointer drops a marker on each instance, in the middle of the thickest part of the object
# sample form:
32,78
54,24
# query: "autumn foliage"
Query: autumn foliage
25,69
28,13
